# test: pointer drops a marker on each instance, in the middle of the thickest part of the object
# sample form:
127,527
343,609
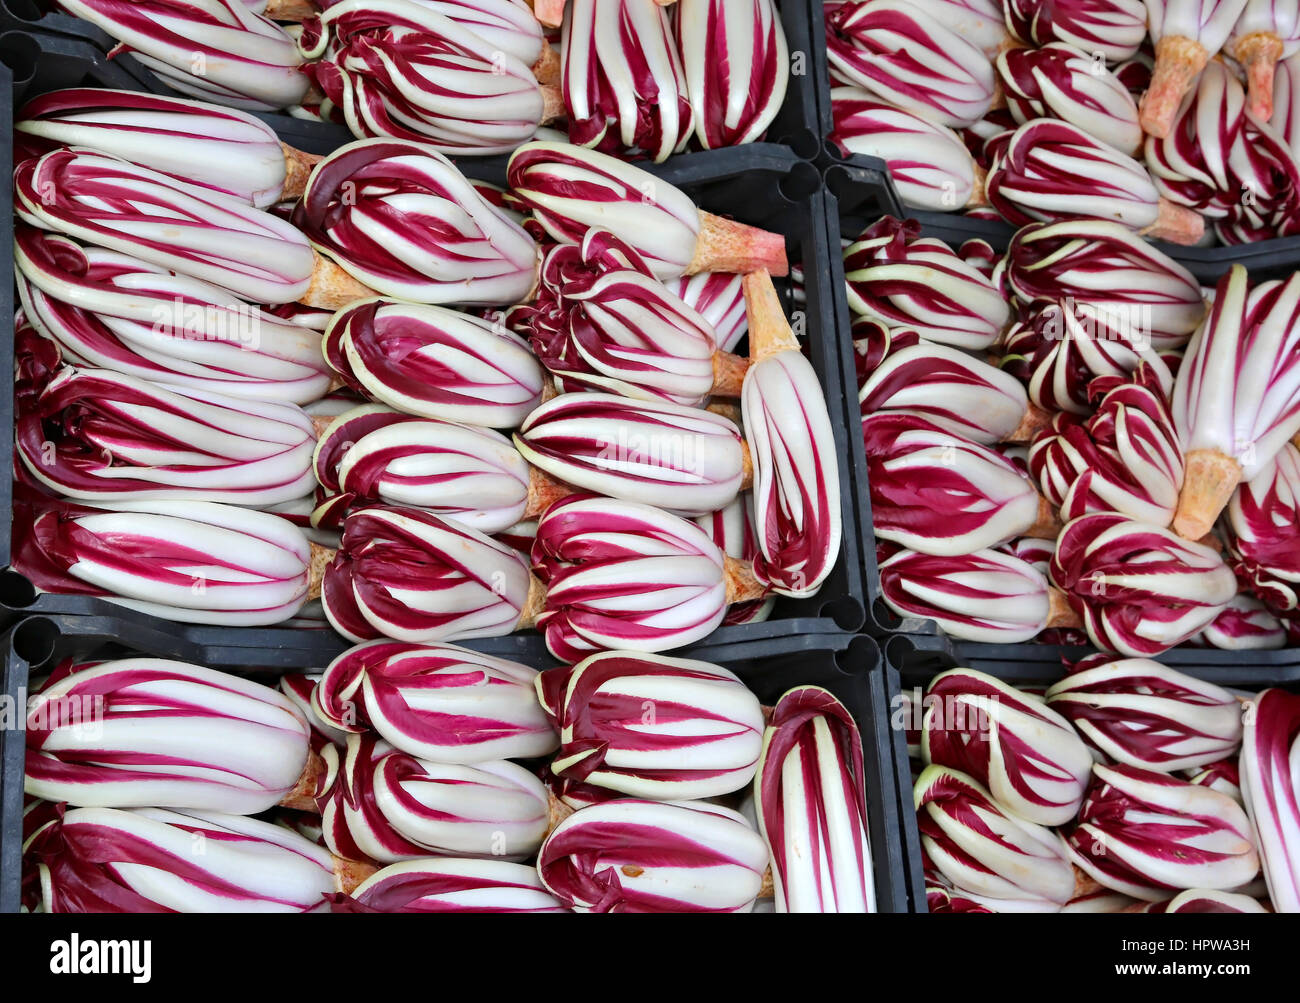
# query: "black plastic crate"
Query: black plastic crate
849,667
857,201
761,184
800,124
912,661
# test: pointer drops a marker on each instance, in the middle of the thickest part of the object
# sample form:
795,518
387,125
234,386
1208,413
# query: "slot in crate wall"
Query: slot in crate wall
849,667
762,184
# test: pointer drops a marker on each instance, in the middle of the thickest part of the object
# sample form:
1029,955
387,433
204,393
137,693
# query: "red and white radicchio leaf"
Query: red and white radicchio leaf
985,596
1262,529
937,493
372,454
412,576
928,162
140,732
399,217
451,885
736,66
1125,458
624,87
192,562
950,388
204,144
193,231
1147,834
380,804
653,727
1115,28
622,575
810,802
436,701
434,363
681,459
218,50
1129,284
1061,81
901,279
1270,786
1245,625
97,435
1143,714
909,58
651,856
114,311
1237,398
408,71
1138,588
1023,751
1009,863
107,860
796,495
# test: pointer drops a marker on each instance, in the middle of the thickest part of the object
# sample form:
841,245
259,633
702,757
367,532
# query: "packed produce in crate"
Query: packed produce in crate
192,562
900,279
1138,437
220,148
95,435
1074,98
1040,172
1232,168
1060,81
193,231
1107,268
928,162
905,54
1237,399
459,830
1141,822
450,885
1260,526
654,856
630,76
1114,28
394,216
571,191
602,321
397,218
380,804
1186,35
116,312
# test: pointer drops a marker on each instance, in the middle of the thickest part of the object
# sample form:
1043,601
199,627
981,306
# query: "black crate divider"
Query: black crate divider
763,184
862,527
909,834
849,667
